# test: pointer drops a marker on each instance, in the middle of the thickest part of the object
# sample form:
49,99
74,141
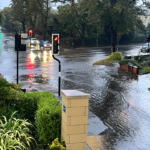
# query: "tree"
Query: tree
19,12
74,19
8,21
121,16
44,9
33,14
148,28
0,18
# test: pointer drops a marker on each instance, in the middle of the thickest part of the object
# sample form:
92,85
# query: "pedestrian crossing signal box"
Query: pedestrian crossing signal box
18,45
55,44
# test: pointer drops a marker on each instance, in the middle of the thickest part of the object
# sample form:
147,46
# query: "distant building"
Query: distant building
146,20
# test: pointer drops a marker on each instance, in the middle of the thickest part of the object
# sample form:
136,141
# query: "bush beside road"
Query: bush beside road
33,107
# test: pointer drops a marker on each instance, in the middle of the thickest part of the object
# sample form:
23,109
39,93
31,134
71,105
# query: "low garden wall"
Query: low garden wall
130,68
136,64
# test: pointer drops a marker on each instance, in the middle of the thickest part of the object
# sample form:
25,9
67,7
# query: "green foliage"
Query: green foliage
115,56
27,104
48,119
129,61
143,58
48,116
145,70
57,146
0,18
9,21
9,91
15,134
145,63
6,110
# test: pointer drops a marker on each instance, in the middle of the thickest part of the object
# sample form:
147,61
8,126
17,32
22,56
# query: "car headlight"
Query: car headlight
45,45
32,42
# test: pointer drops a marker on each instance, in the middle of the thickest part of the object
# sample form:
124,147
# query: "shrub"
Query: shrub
15,134
48,119
143,58
9,91
26,105
145,63
6,110
128,61
57,146
115,56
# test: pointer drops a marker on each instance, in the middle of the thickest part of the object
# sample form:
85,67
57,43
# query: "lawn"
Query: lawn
145,70
106,62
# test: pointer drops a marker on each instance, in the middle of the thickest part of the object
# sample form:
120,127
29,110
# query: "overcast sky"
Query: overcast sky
4,3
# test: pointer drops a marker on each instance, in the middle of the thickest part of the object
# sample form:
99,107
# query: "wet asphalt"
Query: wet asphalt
119,99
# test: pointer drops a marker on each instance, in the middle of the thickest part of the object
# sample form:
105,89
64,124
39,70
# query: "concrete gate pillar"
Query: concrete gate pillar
75,119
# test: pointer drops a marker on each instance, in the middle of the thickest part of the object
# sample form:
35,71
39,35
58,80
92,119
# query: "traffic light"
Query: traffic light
55,44
30,33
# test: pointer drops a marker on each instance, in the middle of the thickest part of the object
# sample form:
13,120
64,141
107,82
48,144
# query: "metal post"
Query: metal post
30,42
59,79
97,39
17,67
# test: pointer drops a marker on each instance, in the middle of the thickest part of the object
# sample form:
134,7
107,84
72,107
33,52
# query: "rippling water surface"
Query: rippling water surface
119,99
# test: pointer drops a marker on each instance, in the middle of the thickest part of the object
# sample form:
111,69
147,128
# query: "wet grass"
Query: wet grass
145,70
106,62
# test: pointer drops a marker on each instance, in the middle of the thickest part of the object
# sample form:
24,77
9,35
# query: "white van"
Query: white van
24,35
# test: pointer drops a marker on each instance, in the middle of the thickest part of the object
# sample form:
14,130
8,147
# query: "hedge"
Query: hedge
48,120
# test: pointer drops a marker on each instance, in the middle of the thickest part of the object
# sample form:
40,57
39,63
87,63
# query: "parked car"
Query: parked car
145,48
34,41
45,44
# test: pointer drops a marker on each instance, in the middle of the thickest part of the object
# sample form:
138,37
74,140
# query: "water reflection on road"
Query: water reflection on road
120,100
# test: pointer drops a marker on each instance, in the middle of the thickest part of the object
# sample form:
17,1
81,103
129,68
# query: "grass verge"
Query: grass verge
145,70
106,62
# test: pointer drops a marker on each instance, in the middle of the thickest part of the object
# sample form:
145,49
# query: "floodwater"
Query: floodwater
119,99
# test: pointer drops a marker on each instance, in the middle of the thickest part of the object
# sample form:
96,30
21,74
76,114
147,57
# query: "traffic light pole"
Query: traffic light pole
17,66
59,79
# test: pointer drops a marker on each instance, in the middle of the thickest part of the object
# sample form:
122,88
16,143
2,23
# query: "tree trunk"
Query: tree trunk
44,35
45,24
113,40
83,34
33,29
23,27
45,28
72,2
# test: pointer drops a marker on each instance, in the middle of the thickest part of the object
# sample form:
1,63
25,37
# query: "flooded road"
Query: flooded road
120,100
